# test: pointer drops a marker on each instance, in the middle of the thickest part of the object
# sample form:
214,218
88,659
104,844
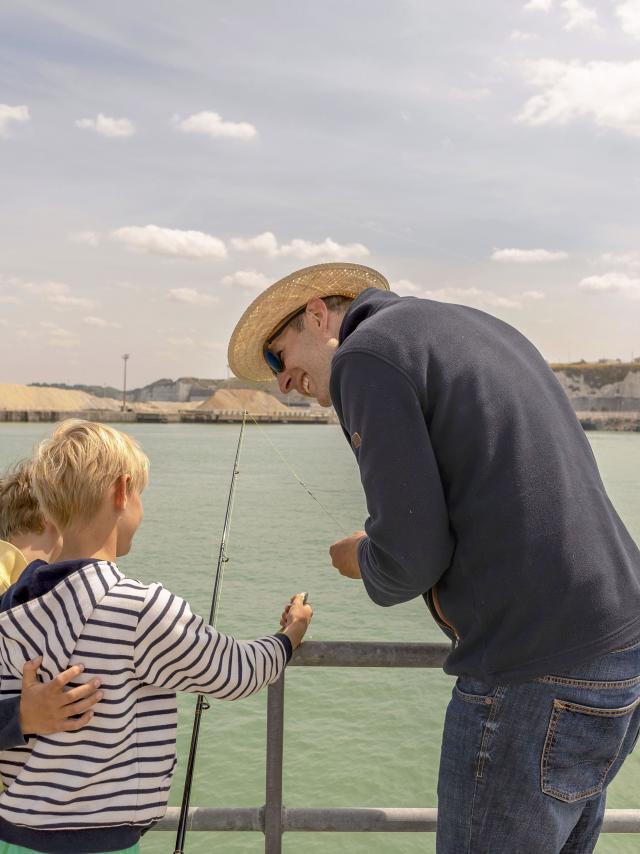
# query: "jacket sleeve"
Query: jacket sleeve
178,650
10,732
409,544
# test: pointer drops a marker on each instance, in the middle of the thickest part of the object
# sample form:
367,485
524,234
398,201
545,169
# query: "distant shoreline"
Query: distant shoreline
619,422
170,416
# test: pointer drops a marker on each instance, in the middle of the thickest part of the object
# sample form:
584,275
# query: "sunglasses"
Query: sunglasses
272,359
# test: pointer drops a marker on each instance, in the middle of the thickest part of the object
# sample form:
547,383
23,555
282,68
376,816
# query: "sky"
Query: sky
161,163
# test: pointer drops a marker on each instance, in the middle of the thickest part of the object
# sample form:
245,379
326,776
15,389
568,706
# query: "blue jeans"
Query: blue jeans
524,768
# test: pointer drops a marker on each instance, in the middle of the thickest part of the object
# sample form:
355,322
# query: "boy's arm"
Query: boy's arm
176,649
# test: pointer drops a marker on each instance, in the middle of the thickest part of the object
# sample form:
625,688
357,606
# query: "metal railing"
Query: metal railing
274,818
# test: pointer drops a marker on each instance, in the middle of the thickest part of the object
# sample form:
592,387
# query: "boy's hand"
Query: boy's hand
344,555
47,707
295,619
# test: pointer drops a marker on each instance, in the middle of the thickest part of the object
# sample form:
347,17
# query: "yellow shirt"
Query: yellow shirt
12,562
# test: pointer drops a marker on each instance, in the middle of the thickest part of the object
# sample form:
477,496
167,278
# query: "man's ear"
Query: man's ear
317,313
121,491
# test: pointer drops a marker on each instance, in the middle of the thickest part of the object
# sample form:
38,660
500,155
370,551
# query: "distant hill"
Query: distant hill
604,386
182,390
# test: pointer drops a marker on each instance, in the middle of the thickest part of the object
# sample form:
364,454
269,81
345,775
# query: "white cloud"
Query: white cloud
265,243
58,337
405,288
169,241
12,114
617,283
68,301
629,14
211,124
181,342
100,322
520,36
478,93
107,126
606,92
298,248
247,279
9,299
190,295
472,296
89,238
624,259
57,293
538,5
527,256
579,16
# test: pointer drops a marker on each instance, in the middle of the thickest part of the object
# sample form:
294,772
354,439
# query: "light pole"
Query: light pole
124,382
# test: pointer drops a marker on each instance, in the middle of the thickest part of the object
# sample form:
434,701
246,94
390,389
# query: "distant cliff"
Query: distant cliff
601,386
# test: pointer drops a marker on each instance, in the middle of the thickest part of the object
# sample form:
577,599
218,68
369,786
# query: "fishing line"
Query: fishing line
298,478
202,703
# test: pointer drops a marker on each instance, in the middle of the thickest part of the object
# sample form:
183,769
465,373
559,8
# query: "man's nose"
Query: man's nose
285,382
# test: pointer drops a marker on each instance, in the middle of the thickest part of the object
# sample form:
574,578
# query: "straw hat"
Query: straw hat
271,309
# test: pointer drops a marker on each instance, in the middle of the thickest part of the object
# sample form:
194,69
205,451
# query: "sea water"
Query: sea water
353,737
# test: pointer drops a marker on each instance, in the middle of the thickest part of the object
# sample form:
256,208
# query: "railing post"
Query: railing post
275,748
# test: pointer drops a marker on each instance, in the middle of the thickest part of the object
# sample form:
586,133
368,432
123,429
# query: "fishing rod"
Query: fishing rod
202,704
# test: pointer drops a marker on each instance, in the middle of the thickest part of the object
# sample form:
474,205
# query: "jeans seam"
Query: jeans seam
472,698
596,712
586,683
480,766
485,731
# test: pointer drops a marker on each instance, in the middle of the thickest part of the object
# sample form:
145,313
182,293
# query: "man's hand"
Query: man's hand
47,707
344,555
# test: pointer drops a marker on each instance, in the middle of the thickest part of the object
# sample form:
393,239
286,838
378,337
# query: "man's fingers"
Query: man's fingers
81,706
67,676
30,671
82,692
73,724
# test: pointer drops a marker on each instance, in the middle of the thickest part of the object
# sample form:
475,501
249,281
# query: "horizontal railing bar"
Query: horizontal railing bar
367,654
215,818
363,819
347,819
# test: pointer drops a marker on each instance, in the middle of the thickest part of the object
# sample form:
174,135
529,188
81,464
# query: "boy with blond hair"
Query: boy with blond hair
98,793
25,535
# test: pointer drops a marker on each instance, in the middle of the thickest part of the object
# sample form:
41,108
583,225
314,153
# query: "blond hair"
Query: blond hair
19,509
76,465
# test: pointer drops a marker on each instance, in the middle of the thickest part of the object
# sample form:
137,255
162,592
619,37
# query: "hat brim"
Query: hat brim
269,310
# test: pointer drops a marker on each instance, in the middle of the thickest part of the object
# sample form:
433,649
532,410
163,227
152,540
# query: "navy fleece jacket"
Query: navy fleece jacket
482,490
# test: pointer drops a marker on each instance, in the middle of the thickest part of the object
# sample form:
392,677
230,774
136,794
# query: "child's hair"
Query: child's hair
19,509
75,466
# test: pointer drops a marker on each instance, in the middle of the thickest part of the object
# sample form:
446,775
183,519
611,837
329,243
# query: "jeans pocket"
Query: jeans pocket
581,745
471,690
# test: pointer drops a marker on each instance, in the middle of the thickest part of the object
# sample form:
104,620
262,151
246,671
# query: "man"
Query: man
483,496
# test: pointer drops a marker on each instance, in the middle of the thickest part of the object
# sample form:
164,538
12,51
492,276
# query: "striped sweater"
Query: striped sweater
97,789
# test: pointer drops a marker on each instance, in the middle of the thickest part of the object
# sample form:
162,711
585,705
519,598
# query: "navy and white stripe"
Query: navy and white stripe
145,644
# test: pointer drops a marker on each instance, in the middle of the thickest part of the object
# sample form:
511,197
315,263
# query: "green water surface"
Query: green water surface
357,737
